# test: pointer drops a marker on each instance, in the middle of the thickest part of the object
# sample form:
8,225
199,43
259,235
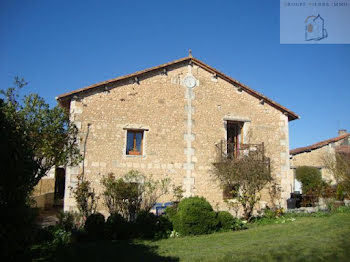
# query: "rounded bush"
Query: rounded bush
146,224
195,216
94,225
149,226
116,227
170,213
164,227
229,222
226,220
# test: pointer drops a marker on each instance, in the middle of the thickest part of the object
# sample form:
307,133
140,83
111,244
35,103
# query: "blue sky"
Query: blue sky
60,46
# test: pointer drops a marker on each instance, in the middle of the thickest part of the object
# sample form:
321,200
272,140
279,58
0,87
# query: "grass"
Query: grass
324,238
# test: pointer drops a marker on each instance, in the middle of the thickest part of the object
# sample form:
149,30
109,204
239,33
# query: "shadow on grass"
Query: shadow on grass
110,251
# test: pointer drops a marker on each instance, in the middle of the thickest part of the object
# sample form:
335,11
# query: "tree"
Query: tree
310,178
17,170
16,157
33,139
51,136
339,165
246,176
312,184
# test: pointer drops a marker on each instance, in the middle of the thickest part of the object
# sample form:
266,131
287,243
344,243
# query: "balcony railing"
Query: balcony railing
229,150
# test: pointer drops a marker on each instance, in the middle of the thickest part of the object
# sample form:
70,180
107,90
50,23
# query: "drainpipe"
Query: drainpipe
86,137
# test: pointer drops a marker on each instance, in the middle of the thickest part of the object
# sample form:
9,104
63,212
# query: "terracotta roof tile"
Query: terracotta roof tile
317,145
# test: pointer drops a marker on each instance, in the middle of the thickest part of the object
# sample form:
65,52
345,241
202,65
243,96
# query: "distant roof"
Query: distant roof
317,145
291,115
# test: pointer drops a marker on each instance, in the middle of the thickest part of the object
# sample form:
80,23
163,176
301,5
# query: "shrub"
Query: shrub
54,235
273,213
146,225
132,193
340,192
117,227
170,213
343,209
48,241
61,237
78,235
69,220
85,197
239,224
195,216
228,222
268,213
164,227
149,226
94,225
43,235
171,216
310,178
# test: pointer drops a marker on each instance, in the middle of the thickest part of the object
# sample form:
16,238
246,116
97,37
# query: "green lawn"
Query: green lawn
306,239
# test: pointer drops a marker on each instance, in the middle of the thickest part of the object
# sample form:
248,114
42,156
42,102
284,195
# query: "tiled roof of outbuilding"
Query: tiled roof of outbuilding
317,145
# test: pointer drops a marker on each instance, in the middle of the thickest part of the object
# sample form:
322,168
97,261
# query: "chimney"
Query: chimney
341,132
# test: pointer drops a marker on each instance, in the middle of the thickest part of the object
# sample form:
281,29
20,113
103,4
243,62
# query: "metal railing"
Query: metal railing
229,150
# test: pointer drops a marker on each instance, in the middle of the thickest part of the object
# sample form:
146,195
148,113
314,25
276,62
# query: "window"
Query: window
134,142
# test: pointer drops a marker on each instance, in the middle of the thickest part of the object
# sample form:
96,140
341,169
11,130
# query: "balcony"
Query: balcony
226,150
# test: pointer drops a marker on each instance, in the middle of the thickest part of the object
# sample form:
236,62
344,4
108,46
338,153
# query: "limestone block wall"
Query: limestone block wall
182,127
46,184
44,191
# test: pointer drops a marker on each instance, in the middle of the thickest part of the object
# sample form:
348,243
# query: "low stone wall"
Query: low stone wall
44,201
322,206
45,185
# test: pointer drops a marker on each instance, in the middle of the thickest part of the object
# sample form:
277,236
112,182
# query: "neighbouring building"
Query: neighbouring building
170,121
49,192
314,155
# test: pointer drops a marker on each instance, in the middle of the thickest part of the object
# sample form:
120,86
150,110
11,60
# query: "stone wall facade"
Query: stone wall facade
182,126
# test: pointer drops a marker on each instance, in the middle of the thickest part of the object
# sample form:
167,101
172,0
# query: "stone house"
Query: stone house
314,155
168,121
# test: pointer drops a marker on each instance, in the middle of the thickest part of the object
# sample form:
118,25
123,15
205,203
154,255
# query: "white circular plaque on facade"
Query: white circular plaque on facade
190,81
